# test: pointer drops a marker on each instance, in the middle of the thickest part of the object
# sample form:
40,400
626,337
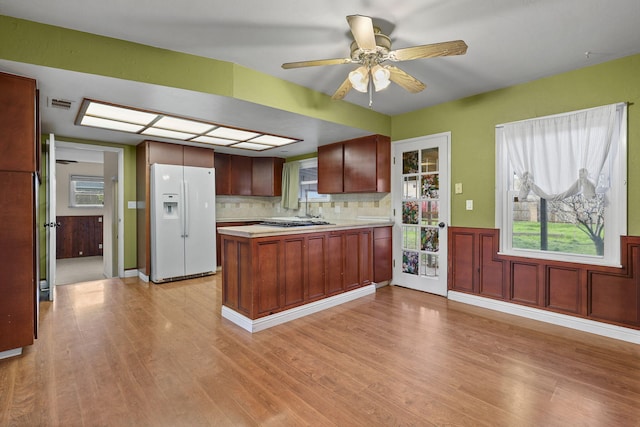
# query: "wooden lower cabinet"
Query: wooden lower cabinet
382,254
265,275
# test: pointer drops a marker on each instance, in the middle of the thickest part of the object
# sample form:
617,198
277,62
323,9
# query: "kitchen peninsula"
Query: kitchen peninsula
273,274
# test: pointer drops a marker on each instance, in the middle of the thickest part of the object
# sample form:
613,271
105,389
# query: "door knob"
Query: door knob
442,225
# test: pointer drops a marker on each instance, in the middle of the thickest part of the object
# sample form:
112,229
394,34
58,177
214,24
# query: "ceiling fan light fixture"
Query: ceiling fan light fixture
381,77
359,79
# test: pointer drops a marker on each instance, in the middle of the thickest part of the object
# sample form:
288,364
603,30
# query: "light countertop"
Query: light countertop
257,230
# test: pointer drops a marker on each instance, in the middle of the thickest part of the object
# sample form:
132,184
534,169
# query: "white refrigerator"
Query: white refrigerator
183,222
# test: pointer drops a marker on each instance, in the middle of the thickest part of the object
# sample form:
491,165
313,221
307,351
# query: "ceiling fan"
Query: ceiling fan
371,49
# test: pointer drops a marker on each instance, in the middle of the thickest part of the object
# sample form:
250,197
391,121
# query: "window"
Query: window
308,190
86,191
561,186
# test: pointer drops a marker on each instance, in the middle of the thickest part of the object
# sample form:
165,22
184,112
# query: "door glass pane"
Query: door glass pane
429,160
410,162
429,265
410,262
430,213
410,212
410,187
429,239
410,238
430,186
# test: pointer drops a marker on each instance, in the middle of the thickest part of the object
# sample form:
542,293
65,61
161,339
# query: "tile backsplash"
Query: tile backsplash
341,206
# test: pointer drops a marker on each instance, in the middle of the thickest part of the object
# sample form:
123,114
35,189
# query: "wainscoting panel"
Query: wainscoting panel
604,294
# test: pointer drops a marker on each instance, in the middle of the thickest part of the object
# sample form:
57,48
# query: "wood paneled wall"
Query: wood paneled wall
79,236
605,294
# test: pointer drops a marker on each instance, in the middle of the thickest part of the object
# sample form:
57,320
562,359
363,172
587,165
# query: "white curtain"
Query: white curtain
560,156
290,185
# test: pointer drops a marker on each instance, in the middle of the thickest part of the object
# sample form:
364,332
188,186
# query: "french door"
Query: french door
421,210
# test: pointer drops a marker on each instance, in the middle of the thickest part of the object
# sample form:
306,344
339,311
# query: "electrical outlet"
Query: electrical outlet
469,205
458,188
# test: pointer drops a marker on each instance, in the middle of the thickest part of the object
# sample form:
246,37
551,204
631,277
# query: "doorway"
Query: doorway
86,185
421,204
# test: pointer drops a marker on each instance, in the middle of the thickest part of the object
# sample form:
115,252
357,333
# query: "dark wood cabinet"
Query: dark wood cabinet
382,254
265,275
222,165
219,239
266,179
330,169
147,153
361,165
19,258
18,130
240,175
248,176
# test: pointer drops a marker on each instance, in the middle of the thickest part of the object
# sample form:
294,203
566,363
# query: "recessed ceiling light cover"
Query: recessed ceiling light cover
237,134
252,146
119,114
110,124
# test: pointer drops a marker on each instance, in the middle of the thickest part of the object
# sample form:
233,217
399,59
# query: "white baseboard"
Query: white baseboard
10,353
296,312
143,277
131,273
578,323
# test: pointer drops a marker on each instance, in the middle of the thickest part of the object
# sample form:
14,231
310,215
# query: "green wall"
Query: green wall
472,124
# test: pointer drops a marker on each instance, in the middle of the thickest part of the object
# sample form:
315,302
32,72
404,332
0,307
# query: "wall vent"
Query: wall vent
60,103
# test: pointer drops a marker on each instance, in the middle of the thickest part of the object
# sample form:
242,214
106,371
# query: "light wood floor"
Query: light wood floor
126,353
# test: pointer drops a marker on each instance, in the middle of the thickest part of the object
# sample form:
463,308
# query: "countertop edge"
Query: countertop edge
255,231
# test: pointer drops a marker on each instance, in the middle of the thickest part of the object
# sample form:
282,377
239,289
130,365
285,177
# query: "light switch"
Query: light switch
469,205
458,188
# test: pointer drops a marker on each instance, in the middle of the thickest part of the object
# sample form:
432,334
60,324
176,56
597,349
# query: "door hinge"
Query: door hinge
394,212
394,263
394,160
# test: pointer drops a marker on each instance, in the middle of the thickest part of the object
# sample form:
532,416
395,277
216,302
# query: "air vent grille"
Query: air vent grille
60,103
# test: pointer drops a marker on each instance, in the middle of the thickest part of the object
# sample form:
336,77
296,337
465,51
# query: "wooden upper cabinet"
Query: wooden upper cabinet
198,156
266,178
222,164
361,165
241,167
330,169
18,121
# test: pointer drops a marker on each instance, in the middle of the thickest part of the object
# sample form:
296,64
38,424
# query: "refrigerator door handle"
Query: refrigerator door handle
186,208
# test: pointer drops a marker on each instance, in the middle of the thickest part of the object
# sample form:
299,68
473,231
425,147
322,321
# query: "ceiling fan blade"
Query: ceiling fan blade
405,80
362,30
455,47
314,63
342,91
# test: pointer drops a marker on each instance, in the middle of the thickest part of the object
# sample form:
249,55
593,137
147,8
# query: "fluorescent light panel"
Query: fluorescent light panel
252,146
115,117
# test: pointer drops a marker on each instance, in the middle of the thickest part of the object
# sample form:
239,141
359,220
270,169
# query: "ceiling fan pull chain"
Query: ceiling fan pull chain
371,93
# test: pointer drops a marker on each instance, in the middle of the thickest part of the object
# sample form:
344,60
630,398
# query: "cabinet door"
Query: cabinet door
240,172
352,259
335,263
365,257
222,164
382,247
198,156
17,269
315,266
18,123
330,169
383,160
360,165
267,281
292,271
266,177
164,153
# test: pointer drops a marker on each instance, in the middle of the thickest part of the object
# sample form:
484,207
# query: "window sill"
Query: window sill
557,257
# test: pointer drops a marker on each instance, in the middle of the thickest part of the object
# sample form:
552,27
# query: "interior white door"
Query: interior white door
51,223
421,207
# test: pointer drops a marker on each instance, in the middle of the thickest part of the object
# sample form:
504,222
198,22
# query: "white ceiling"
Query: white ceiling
510,42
